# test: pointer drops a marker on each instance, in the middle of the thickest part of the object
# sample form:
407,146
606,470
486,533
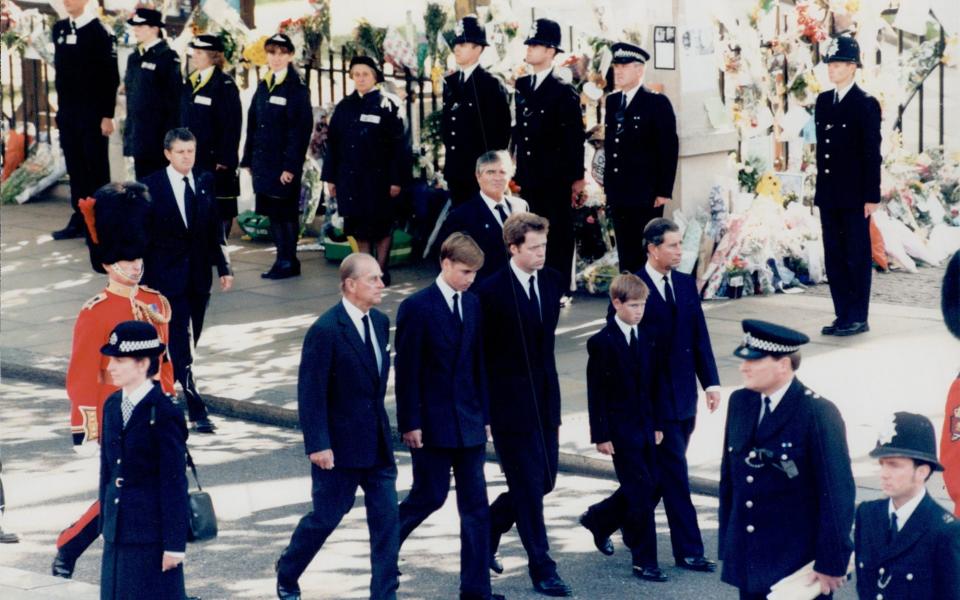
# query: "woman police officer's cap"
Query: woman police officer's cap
762,339
146,16
909,435
213,43
281,40
135,339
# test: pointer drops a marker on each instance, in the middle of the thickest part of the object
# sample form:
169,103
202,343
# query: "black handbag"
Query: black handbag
202,521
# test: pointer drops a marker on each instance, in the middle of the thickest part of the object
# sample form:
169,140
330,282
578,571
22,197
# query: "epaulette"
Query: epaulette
94,301
948,518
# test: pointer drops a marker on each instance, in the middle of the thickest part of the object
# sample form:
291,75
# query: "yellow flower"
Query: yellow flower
256,53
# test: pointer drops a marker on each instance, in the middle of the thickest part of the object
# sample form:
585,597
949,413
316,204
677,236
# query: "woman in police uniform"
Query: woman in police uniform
211,111
143,484
279,125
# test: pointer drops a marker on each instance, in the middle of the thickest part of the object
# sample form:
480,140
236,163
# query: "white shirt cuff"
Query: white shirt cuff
180,555
712,388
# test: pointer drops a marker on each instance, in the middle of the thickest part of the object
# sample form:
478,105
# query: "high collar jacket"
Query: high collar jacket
153,83
214,114
87,76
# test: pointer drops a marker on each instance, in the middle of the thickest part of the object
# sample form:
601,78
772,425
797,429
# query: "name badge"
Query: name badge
278,100
72,39
369,118
205,100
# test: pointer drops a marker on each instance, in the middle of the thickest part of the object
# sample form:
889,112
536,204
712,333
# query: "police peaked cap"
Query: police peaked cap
913,437
360,59
469,31
146,16
624,53
843,49
762,339
116,220
545,32
950,295
213,43
136,339
280,39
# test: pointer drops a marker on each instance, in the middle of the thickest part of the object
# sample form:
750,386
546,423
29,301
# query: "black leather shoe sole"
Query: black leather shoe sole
852,329
699,564
604,544
650,574
554,587
204,426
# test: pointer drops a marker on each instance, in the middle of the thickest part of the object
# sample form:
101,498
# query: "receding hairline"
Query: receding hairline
352,265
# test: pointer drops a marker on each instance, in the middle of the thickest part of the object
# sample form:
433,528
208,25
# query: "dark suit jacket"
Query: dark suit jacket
772,524
922,562
340,393
179,259
475,219
150,505
548,135
620,389
440,377
641,149
848,150
518,351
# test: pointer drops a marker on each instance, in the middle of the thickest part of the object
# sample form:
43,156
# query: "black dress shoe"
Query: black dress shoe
282,270
62,566
649,573
288,592
697,563
831,329
67,233
496,565
8,538
553,586
852,329
472,596
603,543
204,425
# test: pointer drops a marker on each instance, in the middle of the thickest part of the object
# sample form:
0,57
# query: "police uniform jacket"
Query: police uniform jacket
87,74
923,561
153,83
848,149
548,135
279,125
365,153
797,505
476,119
640,149
214,115
143,483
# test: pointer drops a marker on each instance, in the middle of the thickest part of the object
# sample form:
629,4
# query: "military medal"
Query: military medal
955,425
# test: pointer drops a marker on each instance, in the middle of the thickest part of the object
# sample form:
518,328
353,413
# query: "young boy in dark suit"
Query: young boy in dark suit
624,420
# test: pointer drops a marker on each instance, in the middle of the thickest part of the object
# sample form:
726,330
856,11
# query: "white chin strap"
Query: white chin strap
116,269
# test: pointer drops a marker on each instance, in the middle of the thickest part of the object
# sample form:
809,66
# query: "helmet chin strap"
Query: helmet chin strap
134,280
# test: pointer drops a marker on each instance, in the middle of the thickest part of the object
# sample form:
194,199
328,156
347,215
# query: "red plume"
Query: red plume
89,217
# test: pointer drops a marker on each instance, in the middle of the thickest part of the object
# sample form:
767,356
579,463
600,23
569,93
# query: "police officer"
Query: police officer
211,110
476,112
548,143
85,61
364,161
786,487
152,84
279,125
641,150
848,185
907,545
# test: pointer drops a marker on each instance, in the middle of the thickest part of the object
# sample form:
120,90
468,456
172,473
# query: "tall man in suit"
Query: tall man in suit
346,431
186,241
443,407
674,319
521,307
786,488
848,185
907,545
548,143
482,217
641,150
476,111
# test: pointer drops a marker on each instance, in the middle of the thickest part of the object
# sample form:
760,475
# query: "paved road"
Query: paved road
258,478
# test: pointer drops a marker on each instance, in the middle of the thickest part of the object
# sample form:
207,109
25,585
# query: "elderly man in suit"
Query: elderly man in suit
482,217
346,431
674,320
521,307
185,242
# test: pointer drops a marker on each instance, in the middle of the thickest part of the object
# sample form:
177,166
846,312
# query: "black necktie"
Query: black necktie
534,300
623,101
501,212
188,200
368,339
634,344
456,310
892,532
463,77
766,409
73,27
668,295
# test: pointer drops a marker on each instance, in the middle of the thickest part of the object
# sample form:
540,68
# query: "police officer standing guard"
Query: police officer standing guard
786,488
548,143
152,85
476,112
641,150
85,60
848,185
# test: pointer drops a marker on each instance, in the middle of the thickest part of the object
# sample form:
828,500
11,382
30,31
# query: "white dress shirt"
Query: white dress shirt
657,278
356,315
524,279
448,293
843,92
626,329
540,76
83,19
492,205
905,511
775,399
466,72
629,94
180,189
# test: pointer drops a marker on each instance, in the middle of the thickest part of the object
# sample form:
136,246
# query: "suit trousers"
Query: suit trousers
186,324
334,492
673,485
85,152
849,263
529,463
553,203
431,485
628,224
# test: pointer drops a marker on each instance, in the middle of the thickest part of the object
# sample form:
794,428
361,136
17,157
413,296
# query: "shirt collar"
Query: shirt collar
83,19
140,392
468,71
522,277
446,290
626,329
151,44
778,395
632,92
176,177
204,75
843,92
355,313
656,276
278,78
905,511
491,203
538,78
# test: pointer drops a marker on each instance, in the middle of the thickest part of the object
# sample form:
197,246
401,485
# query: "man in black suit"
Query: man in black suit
482,217
521,307
476,111
185,241
848,185
548,143
443,407
906,545
786,488
641,150
340,394
674,320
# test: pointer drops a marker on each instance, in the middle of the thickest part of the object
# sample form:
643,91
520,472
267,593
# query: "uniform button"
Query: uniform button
614,154
118,461
729,448
909,576
616,140
749,503
526,139
750,528
826,156
783,457
453,147
116,500
827,140
749,478
861,564
753,454
616,170
879,596
453,118
524,123
827,171
528,153
880,570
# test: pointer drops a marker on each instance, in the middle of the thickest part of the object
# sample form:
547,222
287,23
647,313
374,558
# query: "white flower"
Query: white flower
889,431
